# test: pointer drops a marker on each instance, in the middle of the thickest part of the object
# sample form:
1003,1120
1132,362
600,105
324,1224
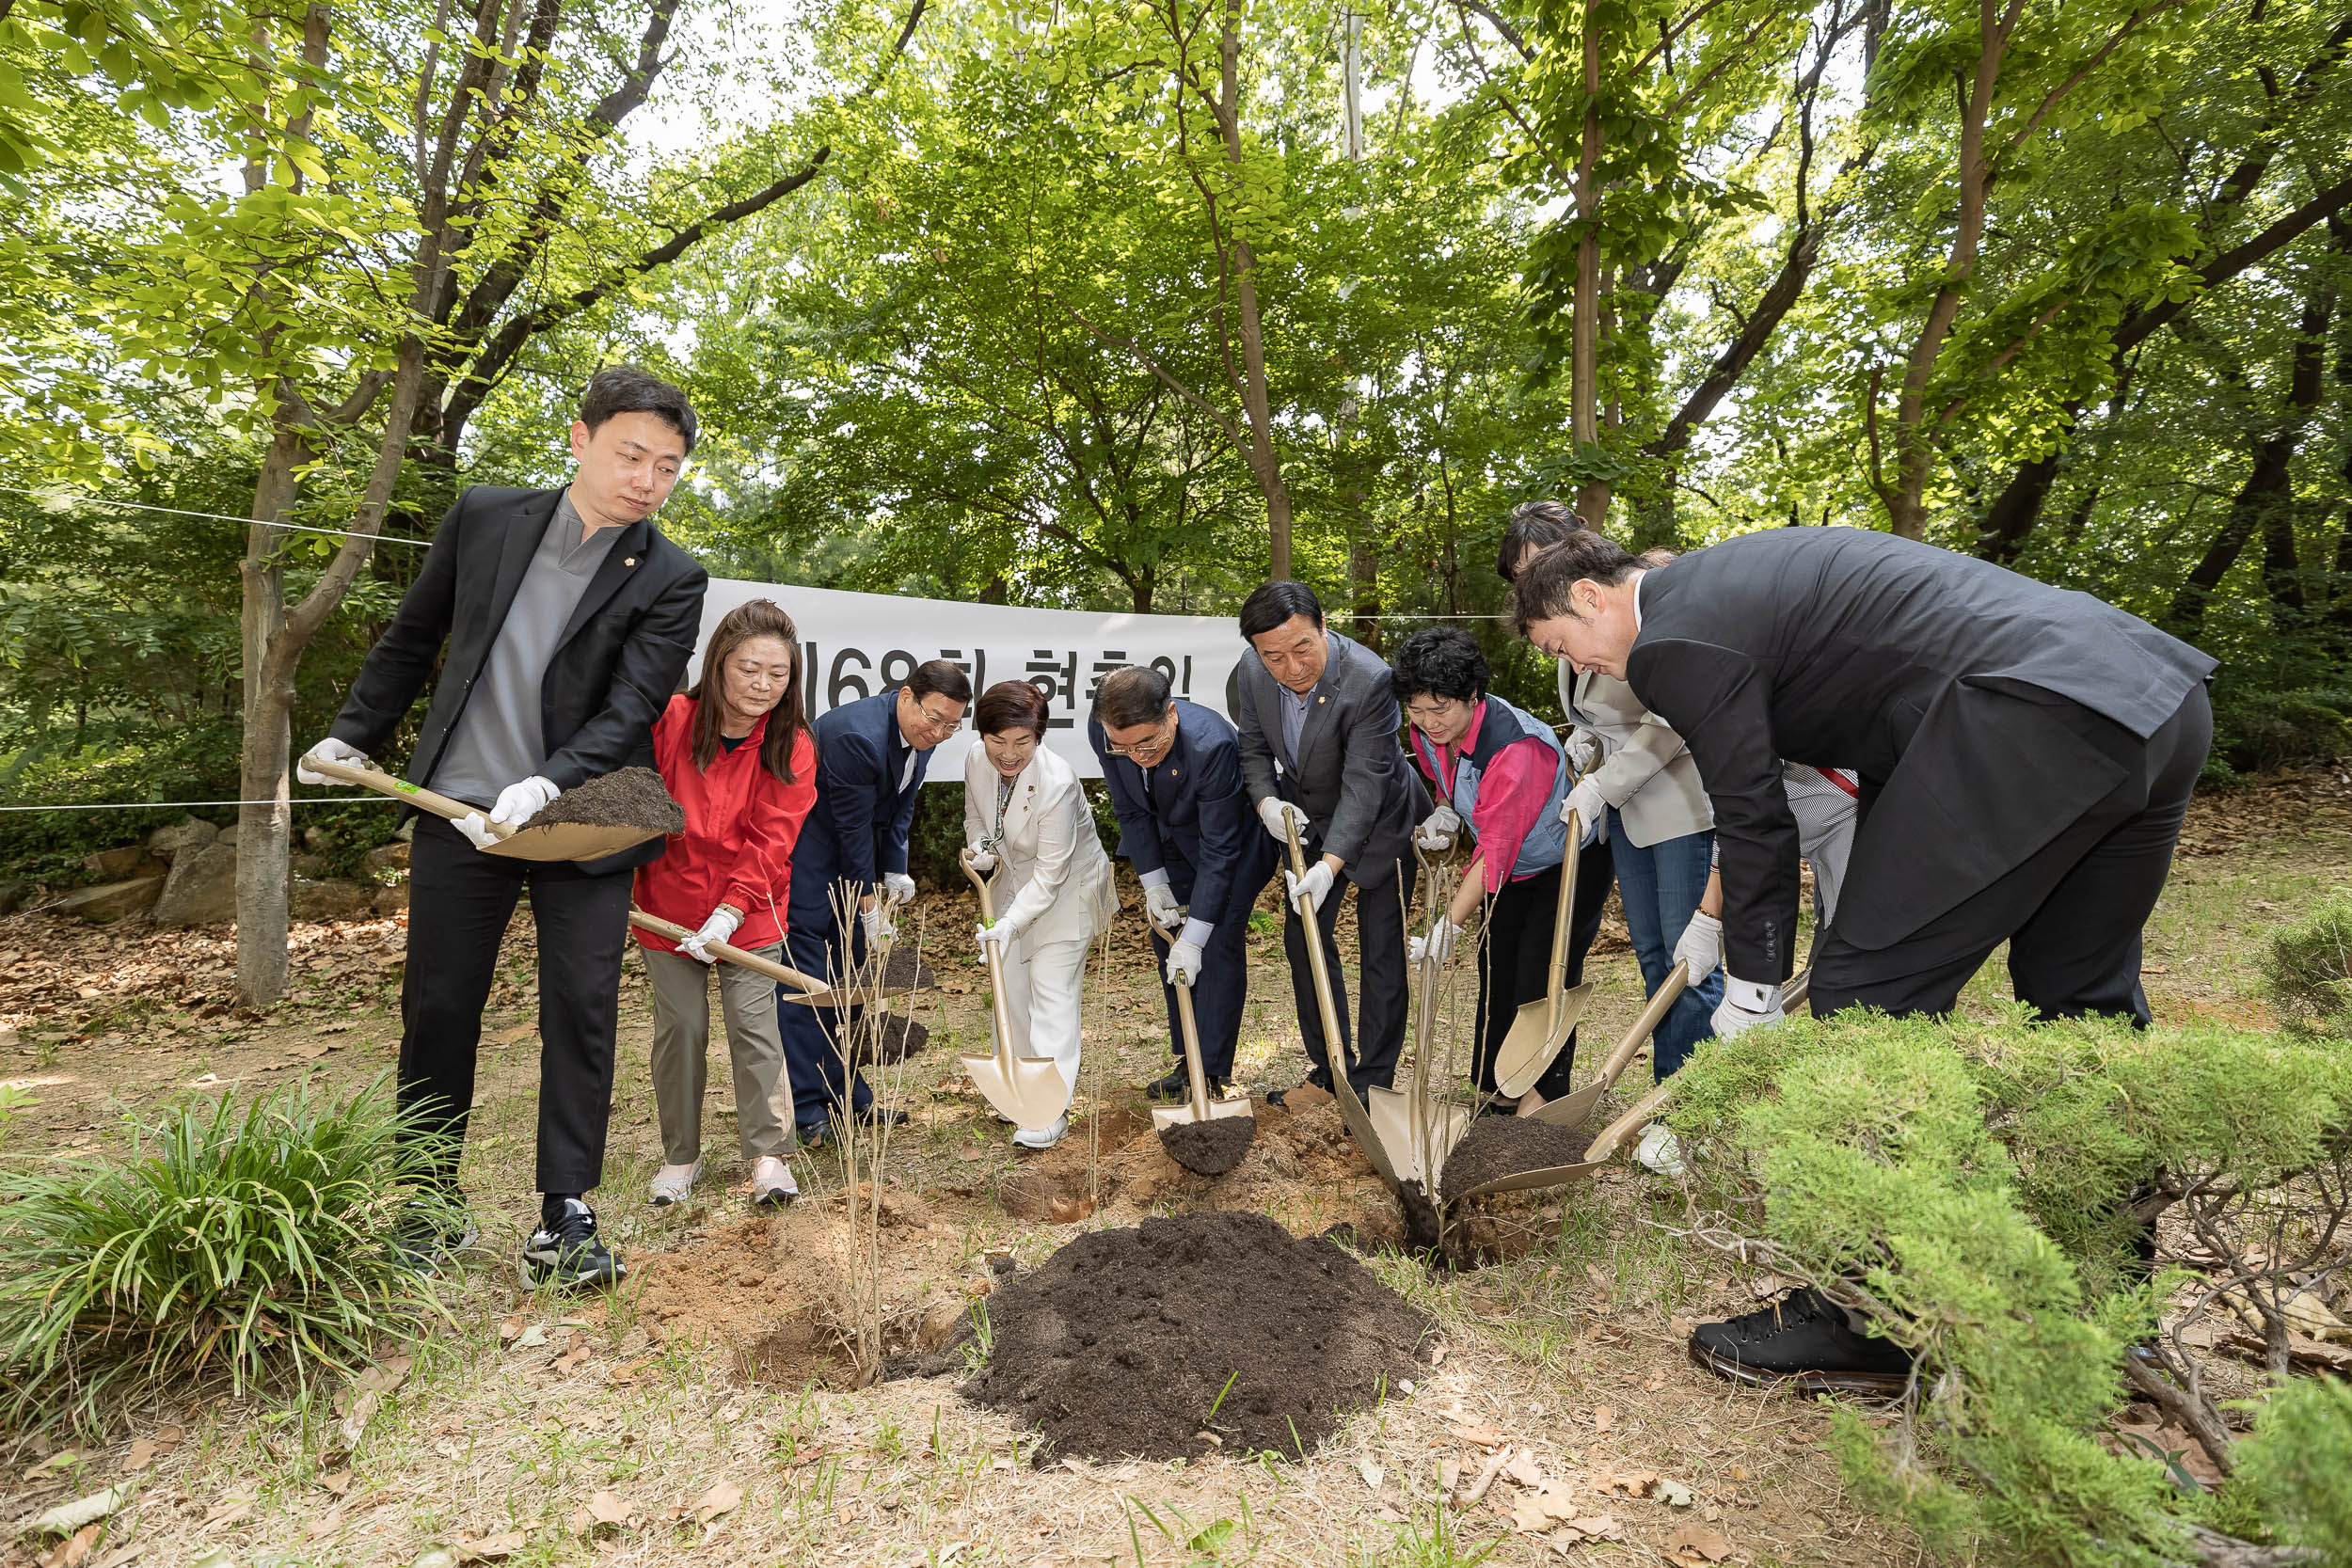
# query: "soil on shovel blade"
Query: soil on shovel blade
1209,1147
1497,1147
1124,1341
626,798
902,970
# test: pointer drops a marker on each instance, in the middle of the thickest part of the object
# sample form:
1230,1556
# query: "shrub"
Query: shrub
1981,1191
2298,1462
2309,972
251,1239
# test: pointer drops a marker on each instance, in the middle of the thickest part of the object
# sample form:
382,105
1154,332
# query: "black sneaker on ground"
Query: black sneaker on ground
1176,1086
569,1255
1802,1338
428,1237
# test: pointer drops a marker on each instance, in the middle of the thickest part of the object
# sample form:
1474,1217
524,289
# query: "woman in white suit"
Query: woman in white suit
1024,810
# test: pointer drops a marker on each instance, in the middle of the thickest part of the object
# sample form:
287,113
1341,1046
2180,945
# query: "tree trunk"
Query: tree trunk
264,822
1592,495
1266,464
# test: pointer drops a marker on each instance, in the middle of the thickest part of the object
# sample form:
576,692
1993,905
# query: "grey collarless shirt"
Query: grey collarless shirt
498,740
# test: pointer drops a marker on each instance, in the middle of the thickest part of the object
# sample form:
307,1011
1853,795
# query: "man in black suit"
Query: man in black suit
1174,770
568,619
2025,756
1319,722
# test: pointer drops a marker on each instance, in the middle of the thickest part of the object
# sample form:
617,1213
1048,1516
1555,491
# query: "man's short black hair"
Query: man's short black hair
1534,525
1542,593
937,677
632,389
1440,661
1275,603
1131,695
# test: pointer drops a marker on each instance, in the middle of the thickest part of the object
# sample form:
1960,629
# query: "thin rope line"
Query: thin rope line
159,805
69,497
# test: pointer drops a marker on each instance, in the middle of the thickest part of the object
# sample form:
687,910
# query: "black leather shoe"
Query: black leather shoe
1802,1340
1176,1086
1275,1097
875,1116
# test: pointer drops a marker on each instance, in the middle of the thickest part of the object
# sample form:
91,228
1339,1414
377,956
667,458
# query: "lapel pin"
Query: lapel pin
628,560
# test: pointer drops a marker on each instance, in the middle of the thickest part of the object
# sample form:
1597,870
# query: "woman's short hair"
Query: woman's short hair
1131,695
1542,592
1440,661
1012,706
1534,525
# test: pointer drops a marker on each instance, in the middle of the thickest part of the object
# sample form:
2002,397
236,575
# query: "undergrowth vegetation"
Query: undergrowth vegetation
245,1240
2042,1212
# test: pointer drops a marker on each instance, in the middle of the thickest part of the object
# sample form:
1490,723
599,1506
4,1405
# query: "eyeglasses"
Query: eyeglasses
1146,748
1438,709
940,721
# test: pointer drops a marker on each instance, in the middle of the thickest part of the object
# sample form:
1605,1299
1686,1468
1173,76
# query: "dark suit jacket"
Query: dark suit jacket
1203,819
1849,648
858,828
614,668
1361,796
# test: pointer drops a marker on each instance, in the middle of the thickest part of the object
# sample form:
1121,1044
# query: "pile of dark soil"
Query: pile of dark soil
626,798
1135,1342
1497,1147
1209,1147
902,970
898,1037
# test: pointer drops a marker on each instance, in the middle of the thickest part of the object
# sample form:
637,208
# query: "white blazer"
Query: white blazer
1645,772
1054,881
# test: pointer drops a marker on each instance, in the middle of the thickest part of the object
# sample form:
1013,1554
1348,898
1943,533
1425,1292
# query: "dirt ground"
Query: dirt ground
709,1408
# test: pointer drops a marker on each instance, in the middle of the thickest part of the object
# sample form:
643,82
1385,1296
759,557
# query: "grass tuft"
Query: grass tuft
247,1239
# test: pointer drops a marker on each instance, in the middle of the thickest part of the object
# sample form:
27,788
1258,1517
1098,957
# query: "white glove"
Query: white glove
1732,1019
898,886
1437,829
475,830
330,749
1701,947
879,926
1437,947
1316,884
1584,751
519,802
1159,902
1273,810
982,861
1183,963
720,927
1589,805
1001,932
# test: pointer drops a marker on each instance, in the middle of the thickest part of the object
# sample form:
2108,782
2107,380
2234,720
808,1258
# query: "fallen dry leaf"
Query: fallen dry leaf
74,1551
1478,1432
1602,1417
1372,1473
723,1498
338,1482
572,1359
1699,1543
490,1549
142,1454
1523,1469
325,1524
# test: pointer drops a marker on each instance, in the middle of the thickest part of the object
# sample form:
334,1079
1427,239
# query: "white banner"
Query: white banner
856,644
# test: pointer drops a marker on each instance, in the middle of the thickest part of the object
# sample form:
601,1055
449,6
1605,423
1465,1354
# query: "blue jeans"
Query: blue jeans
1661,887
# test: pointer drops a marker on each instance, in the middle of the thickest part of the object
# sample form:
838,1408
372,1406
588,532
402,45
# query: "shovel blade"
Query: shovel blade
1536,1180
1397,1116
1571,1110
570,841
1029,1090
1538,1031
1177,1116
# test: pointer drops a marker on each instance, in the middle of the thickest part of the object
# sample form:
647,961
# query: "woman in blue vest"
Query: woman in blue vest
1498,769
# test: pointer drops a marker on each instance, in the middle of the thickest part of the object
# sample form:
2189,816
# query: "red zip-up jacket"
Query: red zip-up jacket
742,822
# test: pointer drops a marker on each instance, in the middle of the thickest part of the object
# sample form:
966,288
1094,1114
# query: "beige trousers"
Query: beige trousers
682,1040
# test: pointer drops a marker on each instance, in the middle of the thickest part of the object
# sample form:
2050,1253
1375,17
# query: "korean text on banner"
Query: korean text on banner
856,644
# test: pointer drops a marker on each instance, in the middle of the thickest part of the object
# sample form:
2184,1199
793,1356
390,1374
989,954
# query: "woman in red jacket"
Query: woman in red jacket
737,752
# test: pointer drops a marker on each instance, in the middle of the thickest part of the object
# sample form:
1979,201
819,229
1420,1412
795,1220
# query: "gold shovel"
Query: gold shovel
1028,1091
557,841
1541,1026
808,990
1416,1130
1198,1108
1334,1043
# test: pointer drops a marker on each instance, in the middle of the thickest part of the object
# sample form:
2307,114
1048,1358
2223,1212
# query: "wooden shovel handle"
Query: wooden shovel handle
750,960
401,789
1558,978
996,962
1676,978
1613,1134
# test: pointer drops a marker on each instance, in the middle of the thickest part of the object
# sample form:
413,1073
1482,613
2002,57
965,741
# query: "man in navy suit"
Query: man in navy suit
1174,772
872,756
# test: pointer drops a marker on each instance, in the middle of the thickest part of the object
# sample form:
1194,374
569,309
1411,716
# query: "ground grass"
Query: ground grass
523,1418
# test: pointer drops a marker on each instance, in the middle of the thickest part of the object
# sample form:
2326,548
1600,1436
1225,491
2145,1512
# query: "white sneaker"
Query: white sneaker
673,1184
1660,1152
1044,1137
772,1186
